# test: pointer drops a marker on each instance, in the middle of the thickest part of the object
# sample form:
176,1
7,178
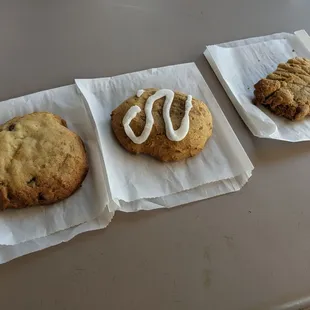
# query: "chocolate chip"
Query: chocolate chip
9,196
11,127
32,181
41,196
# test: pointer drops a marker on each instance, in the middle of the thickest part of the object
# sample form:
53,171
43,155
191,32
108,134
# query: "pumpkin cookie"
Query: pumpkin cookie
167,125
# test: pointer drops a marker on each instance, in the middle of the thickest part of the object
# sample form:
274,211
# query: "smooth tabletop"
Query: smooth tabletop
246,250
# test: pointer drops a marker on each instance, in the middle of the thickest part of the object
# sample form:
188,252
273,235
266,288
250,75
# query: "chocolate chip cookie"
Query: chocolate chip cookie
190,142
286,92
41,161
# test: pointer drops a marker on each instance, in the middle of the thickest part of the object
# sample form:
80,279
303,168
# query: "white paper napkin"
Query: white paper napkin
141,182
88,202
9,252
241,64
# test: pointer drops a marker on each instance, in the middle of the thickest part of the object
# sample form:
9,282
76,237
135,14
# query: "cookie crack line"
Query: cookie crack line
173,135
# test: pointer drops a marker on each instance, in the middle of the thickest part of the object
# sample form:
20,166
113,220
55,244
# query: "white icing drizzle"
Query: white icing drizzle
173,135
140,92
179,134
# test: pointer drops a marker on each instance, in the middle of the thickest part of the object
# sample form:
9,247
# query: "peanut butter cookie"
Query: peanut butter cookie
286,92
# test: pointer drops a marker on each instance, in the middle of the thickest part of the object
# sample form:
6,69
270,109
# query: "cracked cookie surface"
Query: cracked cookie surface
157,144
286,91
41,161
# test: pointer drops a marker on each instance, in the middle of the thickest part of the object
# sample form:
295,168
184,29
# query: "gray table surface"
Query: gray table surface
247,250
